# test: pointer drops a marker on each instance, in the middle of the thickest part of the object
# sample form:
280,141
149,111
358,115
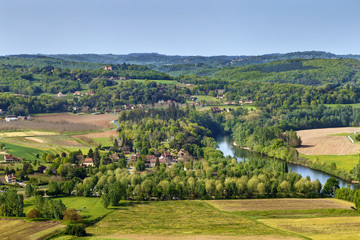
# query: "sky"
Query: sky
179,27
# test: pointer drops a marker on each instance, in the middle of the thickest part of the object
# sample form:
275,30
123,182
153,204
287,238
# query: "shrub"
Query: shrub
76,230
72,215
33,213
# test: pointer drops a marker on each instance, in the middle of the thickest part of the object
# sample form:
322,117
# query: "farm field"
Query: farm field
325,141
21,229
320,228
100,120
179,220
280,204
346,162
28,143
90,208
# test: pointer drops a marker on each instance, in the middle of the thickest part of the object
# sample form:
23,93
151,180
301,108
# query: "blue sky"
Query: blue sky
174,27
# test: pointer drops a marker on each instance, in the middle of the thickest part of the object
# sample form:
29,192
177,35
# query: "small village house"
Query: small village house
88,162
10,178
10,118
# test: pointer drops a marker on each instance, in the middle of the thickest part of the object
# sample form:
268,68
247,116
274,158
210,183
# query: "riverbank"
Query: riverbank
229,148
310,166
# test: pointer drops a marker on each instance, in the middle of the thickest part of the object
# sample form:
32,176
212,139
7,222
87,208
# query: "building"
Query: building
216,109
88,162
108,68
10,158
77,93
10,118
10,178
89,93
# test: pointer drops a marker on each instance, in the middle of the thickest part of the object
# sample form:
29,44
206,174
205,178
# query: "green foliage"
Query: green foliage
11,204
76,230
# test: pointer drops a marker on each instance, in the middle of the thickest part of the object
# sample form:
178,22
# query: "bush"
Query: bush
33,213
72,215
76,230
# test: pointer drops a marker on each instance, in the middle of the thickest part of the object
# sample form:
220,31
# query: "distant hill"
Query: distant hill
299,71
200,65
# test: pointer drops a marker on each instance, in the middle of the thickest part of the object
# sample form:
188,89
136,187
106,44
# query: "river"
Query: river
225,144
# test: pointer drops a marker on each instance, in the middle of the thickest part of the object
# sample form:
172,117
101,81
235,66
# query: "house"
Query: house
249,101
10,118
10,178
107,111
220,91
88,162
89,93
10,158
21,118
108,68
149,159
216,109
77,93
220,96
60,94
122,78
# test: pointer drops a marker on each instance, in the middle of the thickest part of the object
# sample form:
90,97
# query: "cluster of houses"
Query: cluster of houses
166,157
10,118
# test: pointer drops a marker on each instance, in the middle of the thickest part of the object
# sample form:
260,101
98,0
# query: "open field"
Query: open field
280,204
320,228
100,120
167,82
20,229
90,208
248,107
325,141
106,134
25,134
346,162
60,126
23,152
179,220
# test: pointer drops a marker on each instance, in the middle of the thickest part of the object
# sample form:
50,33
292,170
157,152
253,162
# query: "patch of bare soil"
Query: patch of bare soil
322,142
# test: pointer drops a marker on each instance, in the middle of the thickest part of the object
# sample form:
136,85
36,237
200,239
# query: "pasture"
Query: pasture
280,204
100,120
11,228
328,141
179,220
320,228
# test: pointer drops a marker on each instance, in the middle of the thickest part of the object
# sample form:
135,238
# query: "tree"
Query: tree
72,215
330,186
33,213
29,190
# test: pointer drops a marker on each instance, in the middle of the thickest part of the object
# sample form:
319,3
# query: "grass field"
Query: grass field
90,208
320,228
280,204
23,152
20,229
346,162
178,220
25,134
167,82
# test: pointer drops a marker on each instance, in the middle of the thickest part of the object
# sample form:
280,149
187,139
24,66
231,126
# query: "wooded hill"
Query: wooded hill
300,71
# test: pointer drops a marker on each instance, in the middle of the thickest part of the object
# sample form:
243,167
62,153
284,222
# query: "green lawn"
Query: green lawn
189,218
90,208
347,162
105,141
23,152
